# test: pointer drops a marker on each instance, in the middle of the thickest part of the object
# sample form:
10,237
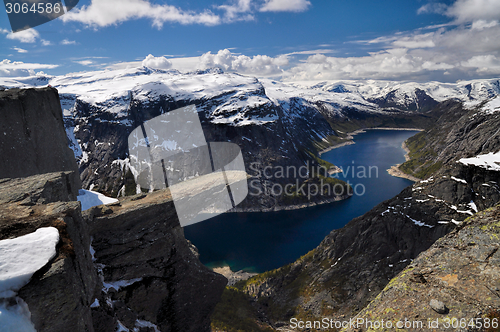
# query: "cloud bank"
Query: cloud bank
18,69
468,47
259,65
103,13
157,62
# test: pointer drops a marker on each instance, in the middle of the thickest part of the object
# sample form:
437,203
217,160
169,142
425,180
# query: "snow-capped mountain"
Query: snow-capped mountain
410,95
274,123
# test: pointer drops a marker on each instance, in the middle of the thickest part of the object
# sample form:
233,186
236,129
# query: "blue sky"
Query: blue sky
416,40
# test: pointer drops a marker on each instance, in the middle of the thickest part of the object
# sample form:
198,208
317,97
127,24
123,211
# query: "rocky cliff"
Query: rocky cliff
32,141
455,284
60,294
150,274
124,267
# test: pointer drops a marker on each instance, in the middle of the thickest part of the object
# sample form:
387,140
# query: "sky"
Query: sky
288,40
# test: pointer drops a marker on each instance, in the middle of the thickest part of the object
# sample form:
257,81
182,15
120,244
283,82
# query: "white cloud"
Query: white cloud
466,11
46,42
437,8
472,10
25,36
85,62
484,63
446,52
17,68
259,65
482,24
156,62
415,41
285,6
19,50
310,52
238,10
68,42
387,64
102,13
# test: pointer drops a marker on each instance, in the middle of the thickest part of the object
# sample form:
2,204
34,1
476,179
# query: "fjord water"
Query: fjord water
261,241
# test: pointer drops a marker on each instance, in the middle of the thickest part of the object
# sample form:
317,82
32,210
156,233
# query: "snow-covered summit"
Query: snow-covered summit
111,91
470,92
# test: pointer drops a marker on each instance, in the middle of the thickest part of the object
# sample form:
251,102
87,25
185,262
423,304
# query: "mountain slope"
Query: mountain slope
275,124
460,270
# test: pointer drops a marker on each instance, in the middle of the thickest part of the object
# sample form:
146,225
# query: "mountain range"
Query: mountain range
274,123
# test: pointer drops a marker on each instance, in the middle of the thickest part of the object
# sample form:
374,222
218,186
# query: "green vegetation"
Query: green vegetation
235,313
294,283
331,140
422,162
318,161
320,180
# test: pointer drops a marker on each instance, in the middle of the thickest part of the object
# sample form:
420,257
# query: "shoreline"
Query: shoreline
407,150
233,277
291,207
389,128
396,172
350,136
393,171
335,147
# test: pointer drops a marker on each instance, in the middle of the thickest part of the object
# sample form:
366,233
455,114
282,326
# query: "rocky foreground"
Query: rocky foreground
456,282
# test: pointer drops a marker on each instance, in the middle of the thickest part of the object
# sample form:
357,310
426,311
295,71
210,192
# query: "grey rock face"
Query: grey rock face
143,272
59,295
141,269
148,268
438,306
32,136
462,270
38,189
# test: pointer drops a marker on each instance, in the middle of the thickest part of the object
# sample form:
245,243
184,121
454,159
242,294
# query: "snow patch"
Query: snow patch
143,323
95,304
90,199
23,256
20,258
15,318
493,106
419,223
117,285
490,161
458,180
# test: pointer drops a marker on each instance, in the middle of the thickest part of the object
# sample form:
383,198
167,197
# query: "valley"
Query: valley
278,126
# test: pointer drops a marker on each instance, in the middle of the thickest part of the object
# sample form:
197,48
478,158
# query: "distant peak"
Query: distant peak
215,70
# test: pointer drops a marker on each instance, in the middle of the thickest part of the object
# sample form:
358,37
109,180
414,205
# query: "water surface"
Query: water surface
261,241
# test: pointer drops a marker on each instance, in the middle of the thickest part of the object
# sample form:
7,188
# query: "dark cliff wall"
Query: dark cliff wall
59,295
149,271
139,272
32,136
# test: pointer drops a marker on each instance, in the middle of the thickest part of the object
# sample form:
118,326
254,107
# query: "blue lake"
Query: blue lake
261,241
